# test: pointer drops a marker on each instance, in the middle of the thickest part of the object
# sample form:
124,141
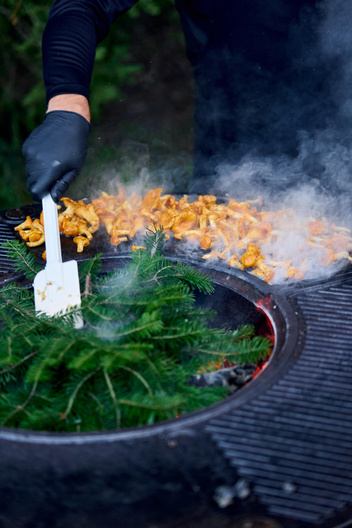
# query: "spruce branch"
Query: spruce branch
89,271
76,391
195,278
154,240
23,260
130,365
22,406
15,365
140,377
113,397
151,406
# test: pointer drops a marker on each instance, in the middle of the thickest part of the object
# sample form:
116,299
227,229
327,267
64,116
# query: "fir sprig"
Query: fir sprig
23,261
142,340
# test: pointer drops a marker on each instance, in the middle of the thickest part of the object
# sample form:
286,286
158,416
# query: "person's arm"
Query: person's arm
55,151
70,102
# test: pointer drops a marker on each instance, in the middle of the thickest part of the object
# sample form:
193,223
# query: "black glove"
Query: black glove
55,153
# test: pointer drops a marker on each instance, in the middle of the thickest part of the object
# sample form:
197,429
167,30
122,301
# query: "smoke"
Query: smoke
335,35
294,142
303,121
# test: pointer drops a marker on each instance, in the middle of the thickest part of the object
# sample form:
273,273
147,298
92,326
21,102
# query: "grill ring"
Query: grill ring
122,474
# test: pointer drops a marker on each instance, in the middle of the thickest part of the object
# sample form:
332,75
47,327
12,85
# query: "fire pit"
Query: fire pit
276,454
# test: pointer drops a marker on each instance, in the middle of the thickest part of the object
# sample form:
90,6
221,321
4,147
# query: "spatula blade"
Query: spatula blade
56,288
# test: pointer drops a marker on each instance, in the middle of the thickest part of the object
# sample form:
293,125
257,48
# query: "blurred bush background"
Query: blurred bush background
141,100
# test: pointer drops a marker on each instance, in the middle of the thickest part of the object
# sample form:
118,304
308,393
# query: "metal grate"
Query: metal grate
6,233
294,441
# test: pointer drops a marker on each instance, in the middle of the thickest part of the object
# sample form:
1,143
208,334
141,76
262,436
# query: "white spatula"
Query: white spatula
56,288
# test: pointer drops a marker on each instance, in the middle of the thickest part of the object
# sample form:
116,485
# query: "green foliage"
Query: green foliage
23,261
131,363
22,91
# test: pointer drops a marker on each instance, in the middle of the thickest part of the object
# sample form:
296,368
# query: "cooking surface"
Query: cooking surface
293,442
290,442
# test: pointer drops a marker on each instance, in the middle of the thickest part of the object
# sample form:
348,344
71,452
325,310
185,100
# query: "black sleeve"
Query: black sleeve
73,30
197,19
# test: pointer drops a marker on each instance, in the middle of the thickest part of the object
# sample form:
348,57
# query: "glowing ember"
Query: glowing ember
264,305
233,374
259,369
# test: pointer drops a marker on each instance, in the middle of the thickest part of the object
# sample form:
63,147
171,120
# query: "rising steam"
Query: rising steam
306,118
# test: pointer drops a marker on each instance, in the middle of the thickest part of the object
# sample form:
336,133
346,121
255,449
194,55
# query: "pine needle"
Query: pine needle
23,260
130,365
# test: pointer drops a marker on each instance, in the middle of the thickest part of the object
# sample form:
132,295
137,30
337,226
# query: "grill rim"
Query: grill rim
285,319
188,429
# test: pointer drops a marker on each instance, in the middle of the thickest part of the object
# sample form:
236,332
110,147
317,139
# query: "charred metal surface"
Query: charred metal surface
277,454
293,441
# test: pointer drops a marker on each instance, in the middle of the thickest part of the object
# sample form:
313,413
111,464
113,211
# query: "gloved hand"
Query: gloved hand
55,153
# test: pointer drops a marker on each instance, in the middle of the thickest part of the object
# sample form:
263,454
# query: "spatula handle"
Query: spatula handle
51,231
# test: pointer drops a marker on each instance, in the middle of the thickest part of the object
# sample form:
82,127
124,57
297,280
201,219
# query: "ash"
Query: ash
233,377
